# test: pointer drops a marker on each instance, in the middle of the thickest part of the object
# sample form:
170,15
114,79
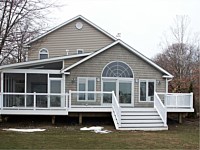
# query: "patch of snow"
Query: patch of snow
24,130
95,129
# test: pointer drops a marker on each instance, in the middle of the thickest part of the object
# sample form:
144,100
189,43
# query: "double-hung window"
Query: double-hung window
86,87
147,89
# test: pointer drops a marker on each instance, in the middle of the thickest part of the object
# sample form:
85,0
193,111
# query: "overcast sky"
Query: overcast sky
141,23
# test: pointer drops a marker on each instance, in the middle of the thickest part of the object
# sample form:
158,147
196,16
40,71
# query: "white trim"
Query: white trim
38,62
168,75
147,81
117,81
86,88
31,71
69,21
117,61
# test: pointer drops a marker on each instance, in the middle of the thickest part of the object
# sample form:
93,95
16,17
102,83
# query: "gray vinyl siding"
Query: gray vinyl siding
94,66
71,61
69,37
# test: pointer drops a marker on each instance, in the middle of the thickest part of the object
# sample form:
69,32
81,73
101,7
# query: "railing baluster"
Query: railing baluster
70,98
34,101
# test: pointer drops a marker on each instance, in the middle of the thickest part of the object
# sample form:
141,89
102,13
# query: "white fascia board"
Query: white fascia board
146,59
168,75
38,71
164,76
90,56
37,62
69,21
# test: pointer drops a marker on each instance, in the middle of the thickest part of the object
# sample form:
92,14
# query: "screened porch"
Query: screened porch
32,91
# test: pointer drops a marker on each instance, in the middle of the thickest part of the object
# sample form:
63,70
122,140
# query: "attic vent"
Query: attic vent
80,51
79,25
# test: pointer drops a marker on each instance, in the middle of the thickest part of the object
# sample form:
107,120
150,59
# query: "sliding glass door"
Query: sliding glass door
122,88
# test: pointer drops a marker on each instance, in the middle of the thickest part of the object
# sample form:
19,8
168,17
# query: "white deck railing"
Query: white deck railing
178,100
161,109
33,101
116,111
90,99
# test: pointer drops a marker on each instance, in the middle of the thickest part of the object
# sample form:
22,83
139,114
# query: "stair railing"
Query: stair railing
161,109
116,111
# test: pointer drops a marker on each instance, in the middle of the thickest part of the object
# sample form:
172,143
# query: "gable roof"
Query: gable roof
69,21
167,74
42,61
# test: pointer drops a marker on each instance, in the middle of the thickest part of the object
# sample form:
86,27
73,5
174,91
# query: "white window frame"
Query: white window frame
47,53
86,88
118,80
80,50
147,89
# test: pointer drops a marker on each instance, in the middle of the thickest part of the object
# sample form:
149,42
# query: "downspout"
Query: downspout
167,81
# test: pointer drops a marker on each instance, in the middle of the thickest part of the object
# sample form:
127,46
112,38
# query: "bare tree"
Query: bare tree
20,21
180,57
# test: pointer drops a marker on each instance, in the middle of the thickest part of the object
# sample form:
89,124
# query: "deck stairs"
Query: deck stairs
139,119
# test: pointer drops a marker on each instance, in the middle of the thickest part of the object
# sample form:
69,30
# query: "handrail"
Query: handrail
91,92
116,109
159,106
48,94
34,106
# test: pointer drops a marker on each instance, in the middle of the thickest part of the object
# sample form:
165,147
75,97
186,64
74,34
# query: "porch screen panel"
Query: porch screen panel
37,83
14,83
55,87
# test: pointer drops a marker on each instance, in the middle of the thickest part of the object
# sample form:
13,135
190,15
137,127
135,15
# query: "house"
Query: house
79,68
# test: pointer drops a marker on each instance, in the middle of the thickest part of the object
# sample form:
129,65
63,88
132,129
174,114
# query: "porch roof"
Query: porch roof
42,61
166,74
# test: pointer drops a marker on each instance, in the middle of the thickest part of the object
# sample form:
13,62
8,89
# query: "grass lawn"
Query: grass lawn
62,136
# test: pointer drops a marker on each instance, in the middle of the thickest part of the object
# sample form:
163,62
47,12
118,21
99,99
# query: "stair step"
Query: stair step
142,125
140,117
139,114
140,121
145,128
138,109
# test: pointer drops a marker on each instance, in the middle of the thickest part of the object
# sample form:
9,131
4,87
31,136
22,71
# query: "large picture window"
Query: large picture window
147,89
86,84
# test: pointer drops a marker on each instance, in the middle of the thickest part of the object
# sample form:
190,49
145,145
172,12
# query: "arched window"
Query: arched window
43,53
117,69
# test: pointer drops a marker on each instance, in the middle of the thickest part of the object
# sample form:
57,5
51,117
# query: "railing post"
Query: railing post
34,100
191,100
176,100
70,98
0,101
66,100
